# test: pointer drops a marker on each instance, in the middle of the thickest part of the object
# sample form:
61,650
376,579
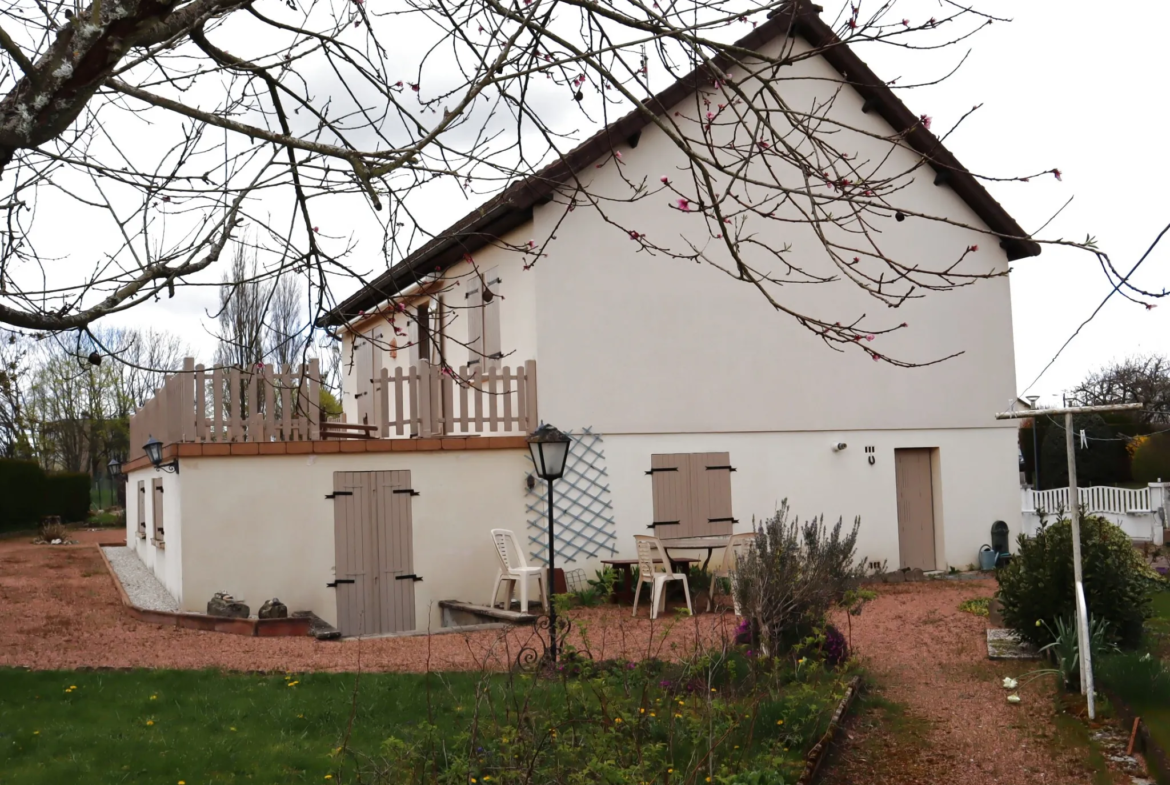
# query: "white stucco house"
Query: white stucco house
697,407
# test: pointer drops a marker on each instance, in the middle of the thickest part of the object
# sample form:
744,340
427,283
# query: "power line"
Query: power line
1093,315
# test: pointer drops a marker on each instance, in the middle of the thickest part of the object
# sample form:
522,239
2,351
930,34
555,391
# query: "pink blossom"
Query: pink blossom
874,356
317,229
925,121
1151,306
973,248
634,235
617,155
905,23
710,116
903,324
414,87
1057,173
532,243
852,23
869,337
665,180
763,144
683,205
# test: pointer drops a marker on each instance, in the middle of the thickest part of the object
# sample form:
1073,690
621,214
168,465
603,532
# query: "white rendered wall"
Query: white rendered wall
166,563
262,528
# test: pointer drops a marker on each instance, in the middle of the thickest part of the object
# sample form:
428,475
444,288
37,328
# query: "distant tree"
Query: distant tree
1105,461
1136,379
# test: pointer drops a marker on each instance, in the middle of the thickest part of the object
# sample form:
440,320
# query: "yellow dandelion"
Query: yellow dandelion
670,771
800,661
779,722
293,683
300,716
154,697
737,746
487,778
617,719
182,783
714,690
473,779
286,678
233,730
680,703
150,722
72,686
641,711
652,714
502,741
708,779
678,716
36,733
328,776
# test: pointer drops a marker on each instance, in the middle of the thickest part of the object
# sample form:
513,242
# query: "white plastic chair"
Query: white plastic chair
737,544
654,568
515,570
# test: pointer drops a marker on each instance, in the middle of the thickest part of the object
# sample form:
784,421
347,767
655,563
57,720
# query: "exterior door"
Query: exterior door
915,481
374,552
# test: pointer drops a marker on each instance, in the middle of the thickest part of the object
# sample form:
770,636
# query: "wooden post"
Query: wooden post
1083,637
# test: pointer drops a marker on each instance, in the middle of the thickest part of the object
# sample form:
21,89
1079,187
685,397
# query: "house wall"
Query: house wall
976,484
166,563
639,342
262,527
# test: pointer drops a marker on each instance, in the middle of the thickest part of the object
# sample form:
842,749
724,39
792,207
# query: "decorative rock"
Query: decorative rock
273,609
915,574
223,604
895,577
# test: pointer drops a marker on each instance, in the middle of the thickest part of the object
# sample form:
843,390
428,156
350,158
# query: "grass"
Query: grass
204,726
977,606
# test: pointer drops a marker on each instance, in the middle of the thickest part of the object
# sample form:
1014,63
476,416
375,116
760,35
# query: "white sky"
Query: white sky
1066,84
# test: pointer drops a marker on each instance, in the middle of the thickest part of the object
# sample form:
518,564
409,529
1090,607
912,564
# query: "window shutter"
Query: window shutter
491,320
142,508
156,504
671,478
711,493
474,324
364,368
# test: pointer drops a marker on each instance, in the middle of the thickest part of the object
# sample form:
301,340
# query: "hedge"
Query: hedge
27,494
67,495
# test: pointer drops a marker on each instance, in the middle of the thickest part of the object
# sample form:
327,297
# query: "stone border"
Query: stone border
293,626
817,754
330,447
1157,759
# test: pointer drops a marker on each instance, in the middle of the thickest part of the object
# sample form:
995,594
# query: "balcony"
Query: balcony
263,404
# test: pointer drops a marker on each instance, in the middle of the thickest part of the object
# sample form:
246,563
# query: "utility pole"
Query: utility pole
1075,518
1035,447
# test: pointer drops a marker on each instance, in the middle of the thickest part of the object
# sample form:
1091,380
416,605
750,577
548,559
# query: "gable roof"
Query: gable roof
513,206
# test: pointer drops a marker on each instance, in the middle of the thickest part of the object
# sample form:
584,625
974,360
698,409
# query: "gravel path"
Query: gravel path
59,609
957,726
141,585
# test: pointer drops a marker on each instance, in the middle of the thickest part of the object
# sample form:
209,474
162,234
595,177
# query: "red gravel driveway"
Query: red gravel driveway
59,609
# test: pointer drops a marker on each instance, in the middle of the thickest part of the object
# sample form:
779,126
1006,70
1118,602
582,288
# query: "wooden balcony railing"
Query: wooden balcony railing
264,404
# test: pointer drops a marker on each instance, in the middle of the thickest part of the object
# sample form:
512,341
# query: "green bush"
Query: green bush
22,493
67,495
1036,588
1151,458
1141,680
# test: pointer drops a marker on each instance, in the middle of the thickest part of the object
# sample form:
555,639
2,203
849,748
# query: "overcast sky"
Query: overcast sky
1063,85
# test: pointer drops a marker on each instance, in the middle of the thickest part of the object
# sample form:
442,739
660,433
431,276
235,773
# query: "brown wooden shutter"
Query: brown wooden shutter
157,530
711,493
491,320
141,508
671,479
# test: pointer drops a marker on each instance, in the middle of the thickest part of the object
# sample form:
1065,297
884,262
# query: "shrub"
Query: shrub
1151,458
1036,587
22,489
793,575
1141,680
67,495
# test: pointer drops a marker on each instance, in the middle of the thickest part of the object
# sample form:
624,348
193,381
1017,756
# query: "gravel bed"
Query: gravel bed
142,587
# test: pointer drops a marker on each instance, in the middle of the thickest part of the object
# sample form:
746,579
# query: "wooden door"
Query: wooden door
395,543
373,546
915,483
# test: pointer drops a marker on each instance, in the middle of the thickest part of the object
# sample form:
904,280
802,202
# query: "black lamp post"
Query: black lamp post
153,448
1035,447
115,468
550,449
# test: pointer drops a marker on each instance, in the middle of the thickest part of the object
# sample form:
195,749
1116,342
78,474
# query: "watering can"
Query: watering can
987,558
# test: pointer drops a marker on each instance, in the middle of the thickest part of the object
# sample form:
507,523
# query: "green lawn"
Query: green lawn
202,727
623,723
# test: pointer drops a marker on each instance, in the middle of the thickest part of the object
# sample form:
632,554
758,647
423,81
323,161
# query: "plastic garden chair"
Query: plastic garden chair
737,544
515,570
654,568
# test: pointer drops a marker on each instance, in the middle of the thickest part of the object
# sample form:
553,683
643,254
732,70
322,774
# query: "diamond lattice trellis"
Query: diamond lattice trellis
583,514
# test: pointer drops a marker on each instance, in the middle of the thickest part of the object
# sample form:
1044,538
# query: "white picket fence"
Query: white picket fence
1142,512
